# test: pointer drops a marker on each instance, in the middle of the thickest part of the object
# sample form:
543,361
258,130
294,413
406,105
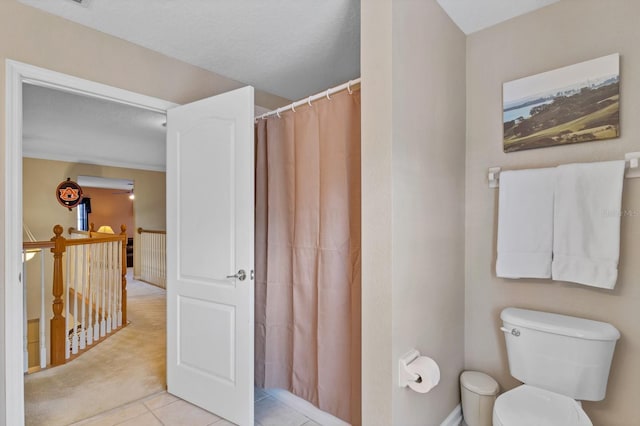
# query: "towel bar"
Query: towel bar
632,166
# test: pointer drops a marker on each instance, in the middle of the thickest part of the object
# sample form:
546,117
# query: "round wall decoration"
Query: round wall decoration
69,193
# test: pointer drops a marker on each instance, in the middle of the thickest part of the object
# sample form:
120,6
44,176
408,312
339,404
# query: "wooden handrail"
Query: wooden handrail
150,231
32,245
73,230
103,238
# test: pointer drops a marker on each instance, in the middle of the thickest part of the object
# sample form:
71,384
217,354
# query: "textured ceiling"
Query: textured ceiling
291,48
68,127
475,15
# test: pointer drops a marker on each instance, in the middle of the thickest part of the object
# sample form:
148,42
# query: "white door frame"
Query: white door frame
18,73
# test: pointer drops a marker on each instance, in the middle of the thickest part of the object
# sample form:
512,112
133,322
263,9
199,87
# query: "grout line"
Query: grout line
158,418
133,418
122,407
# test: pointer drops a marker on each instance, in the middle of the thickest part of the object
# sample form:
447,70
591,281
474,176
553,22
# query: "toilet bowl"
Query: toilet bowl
531,406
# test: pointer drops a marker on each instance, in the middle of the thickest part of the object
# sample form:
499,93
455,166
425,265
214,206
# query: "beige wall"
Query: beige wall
428,203
562,34
110,207
413,142
375,65
31,36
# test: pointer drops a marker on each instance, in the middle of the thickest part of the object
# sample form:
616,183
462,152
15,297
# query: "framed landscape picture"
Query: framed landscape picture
578,103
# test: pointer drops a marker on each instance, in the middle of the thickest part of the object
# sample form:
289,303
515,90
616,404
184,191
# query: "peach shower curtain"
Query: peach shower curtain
308,254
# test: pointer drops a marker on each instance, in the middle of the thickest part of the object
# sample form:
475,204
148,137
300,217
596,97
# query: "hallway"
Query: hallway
126,367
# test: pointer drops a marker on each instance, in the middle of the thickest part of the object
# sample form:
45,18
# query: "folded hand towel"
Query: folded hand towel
525,223
586,240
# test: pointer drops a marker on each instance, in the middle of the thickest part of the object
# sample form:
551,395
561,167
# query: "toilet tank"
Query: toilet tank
567,355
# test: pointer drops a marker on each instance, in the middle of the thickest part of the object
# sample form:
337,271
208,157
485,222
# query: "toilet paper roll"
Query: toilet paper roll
428,371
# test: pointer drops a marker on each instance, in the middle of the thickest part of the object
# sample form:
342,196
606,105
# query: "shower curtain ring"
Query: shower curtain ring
293,107
278,112
309,101
349,88
328,97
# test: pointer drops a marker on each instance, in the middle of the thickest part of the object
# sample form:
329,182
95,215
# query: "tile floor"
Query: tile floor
165,409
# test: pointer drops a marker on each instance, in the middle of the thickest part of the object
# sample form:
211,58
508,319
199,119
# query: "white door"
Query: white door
210,217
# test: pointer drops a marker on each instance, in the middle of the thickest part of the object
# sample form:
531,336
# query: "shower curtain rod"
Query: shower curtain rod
327,93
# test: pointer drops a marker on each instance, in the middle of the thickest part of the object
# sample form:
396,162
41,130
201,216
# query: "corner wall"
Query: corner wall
562,34
376,114
413,145
428,203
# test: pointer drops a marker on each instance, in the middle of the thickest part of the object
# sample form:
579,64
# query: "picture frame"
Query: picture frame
573,104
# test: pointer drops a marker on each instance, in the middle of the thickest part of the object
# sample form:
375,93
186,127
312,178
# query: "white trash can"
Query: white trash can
479,392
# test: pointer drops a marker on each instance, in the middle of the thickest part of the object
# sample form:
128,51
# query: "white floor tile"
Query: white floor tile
270,412
159,400
147,419
223,422
181,413
259,394
115,416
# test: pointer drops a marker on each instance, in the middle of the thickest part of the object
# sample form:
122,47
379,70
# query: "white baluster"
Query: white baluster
74,281
42,337
119,271
142,254
158,260
114,285
109,281
147,259
67,345
153,257
164,260
96,290
83,296
25,338
103,291
89,326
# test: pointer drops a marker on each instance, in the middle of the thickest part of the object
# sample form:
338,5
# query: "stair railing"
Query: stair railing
30,250
153,257
89,291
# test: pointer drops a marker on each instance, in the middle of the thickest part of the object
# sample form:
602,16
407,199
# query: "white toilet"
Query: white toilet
561,360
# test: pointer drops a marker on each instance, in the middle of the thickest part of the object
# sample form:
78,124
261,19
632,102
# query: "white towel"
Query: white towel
586,240
525,223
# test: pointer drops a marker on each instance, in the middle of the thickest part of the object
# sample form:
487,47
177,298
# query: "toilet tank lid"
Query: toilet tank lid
560,324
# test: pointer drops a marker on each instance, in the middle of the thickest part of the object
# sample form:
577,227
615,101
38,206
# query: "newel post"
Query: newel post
58,332
123,233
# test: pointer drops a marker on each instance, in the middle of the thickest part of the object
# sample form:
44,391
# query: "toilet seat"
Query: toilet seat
531,406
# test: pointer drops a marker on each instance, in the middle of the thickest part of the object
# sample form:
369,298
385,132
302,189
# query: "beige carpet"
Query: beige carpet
127,366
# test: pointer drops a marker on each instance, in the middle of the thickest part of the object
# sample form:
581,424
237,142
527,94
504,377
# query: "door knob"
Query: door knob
241,275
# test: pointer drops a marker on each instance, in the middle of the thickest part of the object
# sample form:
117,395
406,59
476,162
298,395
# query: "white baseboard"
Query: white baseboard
454,418
306,408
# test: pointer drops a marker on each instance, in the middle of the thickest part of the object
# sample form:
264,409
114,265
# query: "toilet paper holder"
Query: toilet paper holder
405,376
